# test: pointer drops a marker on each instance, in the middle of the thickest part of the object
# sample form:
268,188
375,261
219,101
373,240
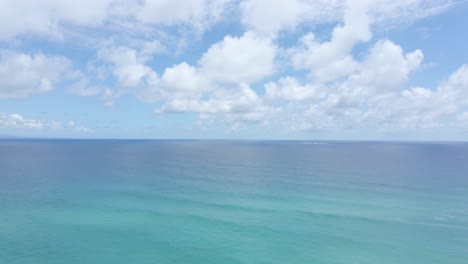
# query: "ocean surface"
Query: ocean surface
116,201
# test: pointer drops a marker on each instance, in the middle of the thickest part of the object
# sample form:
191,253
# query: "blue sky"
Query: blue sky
249,69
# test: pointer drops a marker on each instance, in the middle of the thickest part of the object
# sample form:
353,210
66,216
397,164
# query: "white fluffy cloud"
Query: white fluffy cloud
331,59
420,107
341,93
230,63
179,82
412,108
289,89
229,101
386,68
236,106
247,59
267,73
23,75
184,78
128,65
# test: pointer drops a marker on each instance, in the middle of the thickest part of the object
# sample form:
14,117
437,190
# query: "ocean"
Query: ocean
143,201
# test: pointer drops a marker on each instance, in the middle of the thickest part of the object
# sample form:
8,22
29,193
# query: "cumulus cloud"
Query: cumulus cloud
411,108
354,99
23,75
289,89
181,81
341,92
228,64
459,81
386,68
184,79
248,59
232,101
127,65
236,106
311,82
331,59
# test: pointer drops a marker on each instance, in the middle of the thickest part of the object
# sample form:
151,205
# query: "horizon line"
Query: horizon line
232,139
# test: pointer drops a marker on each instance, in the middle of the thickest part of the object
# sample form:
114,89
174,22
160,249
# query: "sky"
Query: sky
235,69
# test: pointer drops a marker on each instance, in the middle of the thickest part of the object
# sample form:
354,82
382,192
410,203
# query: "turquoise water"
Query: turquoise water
78,201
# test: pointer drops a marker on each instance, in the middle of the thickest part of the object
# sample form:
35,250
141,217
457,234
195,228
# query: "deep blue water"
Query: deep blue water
111,201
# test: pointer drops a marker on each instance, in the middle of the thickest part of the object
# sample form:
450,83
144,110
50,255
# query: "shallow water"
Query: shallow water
94,201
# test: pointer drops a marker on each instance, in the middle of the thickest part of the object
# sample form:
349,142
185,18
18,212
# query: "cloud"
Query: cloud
357,100
218,85
247,59
411,108
48,17
56,18
229,101
23,75
184,79
331,59
197,13
181,81
385,68
236,106
340,93
16,121
127,65
83,88
463,117
289,89
459,81
227,64
271,17
307,80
